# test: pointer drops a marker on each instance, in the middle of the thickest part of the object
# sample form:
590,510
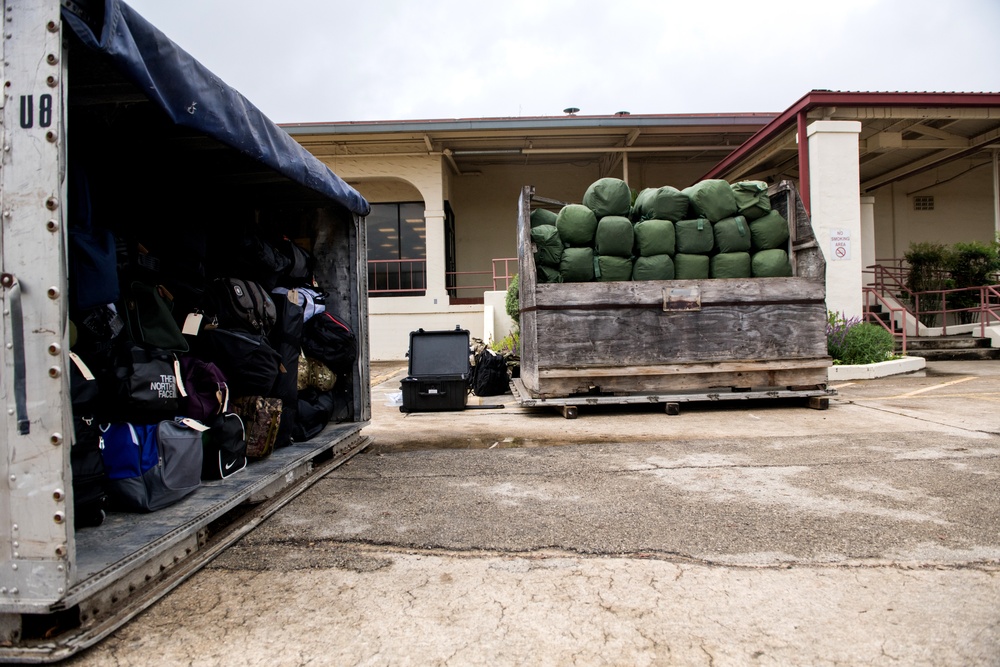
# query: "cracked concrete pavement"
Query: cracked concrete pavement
740,533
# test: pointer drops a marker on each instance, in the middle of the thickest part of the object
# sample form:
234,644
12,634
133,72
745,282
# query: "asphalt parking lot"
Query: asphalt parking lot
736,533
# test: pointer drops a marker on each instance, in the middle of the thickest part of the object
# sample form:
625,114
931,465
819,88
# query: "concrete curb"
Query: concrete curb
879,370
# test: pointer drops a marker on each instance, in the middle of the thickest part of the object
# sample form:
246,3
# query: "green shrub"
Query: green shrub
511,304
853,342
971,264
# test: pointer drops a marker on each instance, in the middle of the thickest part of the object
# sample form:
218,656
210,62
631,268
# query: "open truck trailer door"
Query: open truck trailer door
169,152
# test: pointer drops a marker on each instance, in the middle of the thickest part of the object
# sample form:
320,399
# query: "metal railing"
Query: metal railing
874,298
408,277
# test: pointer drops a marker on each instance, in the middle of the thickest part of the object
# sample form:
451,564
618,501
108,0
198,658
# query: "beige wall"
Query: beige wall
963,209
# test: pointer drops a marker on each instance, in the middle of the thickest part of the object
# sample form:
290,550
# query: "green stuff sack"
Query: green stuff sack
732,234
548,274
577,225
664,203
690,267
713,199
769,232
730,265
655,267
752,199
655,237
614,236
771,264
694,237
608,196
577,265
610,269
542,216
548,245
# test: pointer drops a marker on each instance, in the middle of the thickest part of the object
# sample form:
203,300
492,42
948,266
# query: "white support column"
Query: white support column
868,237
436,263
835,204
996,193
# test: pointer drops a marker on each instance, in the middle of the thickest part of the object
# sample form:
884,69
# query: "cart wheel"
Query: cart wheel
673,408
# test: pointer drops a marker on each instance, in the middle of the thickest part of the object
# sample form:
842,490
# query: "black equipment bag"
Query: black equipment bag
286,339
248,361
299,272
146,384
489,376
329,339
90,500
315,409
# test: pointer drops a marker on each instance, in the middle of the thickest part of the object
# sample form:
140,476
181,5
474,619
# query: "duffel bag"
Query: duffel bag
249,363
769,232
730,265
690,267
224,447
614,236
548,245
151,466
655,237
694,237
732,234
771,263
205,387
666,203
577,265
147,384
261,420
611,269
713,199
752,199
577,225
654,267
315,409
608,196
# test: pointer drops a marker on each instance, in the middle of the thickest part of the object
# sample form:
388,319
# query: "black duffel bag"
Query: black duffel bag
250,364
329,339
489,375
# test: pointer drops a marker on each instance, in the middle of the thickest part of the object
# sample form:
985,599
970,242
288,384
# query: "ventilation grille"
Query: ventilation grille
924,203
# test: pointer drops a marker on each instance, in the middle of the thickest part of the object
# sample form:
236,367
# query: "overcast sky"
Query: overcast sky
333,60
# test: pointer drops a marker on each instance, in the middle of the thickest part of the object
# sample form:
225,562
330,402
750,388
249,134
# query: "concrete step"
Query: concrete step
946,343
968,354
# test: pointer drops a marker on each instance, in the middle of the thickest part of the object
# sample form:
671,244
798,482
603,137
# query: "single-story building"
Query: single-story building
880,170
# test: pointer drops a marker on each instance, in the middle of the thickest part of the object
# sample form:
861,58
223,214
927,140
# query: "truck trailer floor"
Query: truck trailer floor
756,533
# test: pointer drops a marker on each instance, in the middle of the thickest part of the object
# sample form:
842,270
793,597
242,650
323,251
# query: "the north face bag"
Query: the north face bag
224,447
261,420
206,389
732,234
694,237
249,363
713,199
608,196
665,203
243,304
149,313
577,225
330,340
615,236
654,267
655,237
147,382
151,466
769,232
730,265
752,199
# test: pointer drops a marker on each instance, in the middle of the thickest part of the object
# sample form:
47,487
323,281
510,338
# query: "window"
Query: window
397,251
923,203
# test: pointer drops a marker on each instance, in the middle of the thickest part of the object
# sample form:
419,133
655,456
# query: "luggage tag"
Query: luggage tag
294,296
192,324
84,369
194,424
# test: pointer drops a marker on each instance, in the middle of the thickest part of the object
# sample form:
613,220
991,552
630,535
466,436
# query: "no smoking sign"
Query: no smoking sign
840,244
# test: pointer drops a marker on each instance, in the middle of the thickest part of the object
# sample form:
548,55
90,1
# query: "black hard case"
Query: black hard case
438,371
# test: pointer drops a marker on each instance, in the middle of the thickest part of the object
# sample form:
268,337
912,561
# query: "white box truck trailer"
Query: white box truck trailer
173,150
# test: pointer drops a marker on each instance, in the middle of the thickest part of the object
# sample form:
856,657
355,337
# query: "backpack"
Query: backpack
247,360
242,304
489,376
147,384
151,466
329,339
87,464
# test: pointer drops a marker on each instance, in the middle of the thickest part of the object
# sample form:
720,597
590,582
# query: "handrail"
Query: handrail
893,310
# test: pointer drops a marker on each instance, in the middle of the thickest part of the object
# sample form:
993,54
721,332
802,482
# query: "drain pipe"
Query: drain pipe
803,160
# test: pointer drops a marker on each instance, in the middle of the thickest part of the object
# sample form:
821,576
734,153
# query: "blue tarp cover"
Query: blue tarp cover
193,97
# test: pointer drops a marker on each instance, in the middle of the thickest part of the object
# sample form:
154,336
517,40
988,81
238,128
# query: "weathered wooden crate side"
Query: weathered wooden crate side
659,336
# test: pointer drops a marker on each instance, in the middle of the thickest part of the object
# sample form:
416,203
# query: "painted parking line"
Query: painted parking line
936,387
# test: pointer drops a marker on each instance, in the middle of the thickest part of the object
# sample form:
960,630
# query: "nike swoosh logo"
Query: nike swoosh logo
230,465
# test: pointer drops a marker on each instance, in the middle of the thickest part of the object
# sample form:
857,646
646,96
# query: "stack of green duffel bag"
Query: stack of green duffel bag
577,226
768,231
654,213
548,245
714,200
610,200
